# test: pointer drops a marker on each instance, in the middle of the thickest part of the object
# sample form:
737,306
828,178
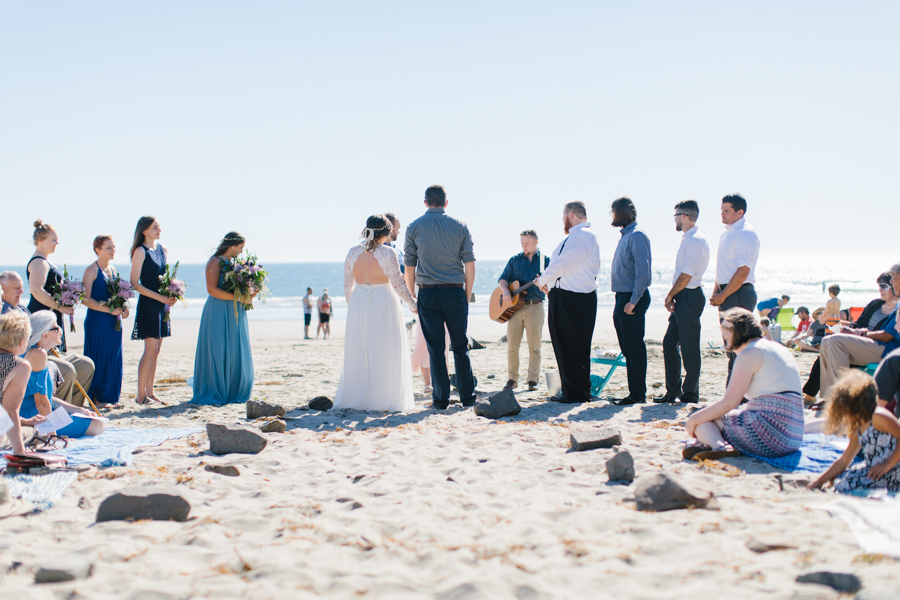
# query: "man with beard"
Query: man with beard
570,281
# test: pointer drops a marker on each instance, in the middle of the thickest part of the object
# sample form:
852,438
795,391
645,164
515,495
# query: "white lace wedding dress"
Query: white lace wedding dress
377,374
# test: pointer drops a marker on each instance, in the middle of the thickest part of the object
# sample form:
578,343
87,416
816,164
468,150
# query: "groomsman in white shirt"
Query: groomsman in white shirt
570,282
686,302
735,262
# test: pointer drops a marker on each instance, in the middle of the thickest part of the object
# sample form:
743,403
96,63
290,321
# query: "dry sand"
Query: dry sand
450,506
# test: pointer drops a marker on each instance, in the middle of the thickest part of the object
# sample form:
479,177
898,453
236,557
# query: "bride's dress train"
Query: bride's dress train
377,374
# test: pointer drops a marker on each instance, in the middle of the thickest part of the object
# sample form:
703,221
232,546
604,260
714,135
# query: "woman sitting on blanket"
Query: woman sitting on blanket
15,328
771,424
45,334
854,410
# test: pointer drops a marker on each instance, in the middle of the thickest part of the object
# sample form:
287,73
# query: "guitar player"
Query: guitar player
524,268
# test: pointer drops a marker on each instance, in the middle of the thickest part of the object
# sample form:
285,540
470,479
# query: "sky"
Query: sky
291,122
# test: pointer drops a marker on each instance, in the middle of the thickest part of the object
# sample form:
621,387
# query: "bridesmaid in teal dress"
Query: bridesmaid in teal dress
223,364
102,343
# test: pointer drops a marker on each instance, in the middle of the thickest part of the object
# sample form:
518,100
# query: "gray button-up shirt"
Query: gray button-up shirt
437,246
631,263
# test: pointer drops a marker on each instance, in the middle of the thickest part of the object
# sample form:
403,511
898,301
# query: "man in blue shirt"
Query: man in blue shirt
524,268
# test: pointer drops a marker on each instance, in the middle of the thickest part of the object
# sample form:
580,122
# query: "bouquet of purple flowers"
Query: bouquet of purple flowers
171,287
68,292
245,279
120,292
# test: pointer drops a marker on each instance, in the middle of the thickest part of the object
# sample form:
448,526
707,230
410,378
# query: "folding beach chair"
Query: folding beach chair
856,312
598,383
785,318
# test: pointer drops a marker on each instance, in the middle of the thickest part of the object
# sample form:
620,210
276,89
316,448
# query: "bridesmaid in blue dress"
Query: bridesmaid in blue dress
223,364
46,334
102,343
148,262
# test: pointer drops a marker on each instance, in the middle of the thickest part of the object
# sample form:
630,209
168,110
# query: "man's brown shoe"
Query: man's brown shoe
532,385
510,384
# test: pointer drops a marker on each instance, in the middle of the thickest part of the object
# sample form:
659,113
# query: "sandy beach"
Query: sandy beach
423,505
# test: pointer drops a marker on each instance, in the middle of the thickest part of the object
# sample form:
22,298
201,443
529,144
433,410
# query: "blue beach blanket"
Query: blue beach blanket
41,490
817,452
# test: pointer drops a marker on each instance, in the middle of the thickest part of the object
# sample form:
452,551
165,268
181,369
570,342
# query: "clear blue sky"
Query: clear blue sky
293,121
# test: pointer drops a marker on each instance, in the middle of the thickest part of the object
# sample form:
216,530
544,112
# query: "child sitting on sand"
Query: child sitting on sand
854,409
765,323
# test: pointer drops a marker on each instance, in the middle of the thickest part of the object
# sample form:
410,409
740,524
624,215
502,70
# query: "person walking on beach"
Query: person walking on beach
440,259
735,262
524,268
325,311
630,278
685,301
377,374
307,312
570,281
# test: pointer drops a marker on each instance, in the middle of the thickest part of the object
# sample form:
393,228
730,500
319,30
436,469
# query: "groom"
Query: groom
439,258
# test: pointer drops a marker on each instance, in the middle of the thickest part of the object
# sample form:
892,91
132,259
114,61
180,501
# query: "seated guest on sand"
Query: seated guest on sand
769,308
873,318
802,326
858,347
887,378
854,411
833,306
39,395
816,331
223,362
15,329
771,424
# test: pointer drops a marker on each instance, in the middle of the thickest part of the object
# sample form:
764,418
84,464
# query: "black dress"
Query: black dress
54,277
149,321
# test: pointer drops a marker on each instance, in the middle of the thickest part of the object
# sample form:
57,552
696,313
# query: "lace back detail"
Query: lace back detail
390,265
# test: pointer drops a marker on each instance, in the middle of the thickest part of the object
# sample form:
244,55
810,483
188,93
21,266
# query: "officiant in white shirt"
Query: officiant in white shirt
570,282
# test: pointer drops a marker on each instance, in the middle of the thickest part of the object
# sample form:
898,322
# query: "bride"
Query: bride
377,374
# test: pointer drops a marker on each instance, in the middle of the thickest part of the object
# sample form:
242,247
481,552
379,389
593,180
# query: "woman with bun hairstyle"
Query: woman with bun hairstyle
223,363
148,263
43,276
102,340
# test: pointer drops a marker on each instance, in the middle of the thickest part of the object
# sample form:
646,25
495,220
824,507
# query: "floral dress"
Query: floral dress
877,446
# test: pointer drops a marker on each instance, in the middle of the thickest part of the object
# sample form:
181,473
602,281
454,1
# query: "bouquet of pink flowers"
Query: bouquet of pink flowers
171,287
68,292
244,278
120,292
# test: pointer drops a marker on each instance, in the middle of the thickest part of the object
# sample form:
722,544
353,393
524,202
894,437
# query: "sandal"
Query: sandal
716,454
692,451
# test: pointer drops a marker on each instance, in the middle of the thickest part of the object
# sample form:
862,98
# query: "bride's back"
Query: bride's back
367,271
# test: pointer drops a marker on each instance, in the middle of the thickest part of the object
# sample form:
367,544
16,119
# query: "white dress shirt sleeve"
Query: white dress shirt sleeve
565,262
746,246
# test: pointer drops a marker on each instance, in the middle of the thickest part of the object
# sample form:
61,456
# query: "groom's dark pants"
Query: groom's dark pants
571,321
438,306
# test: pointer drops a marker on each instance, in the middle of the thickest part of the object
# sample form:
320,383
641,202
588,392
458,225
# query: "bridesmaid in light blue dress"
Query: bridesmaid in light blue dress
223,364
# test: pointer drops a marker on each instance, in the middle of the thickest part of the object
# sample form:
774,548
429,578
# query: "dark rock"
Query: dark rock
227,471
64,568
276,426
504,339
85,503
620,467
257,409
662,491
475,344
760,546
321,403
847,583
596,438
137,503
495,406
227,439
491,376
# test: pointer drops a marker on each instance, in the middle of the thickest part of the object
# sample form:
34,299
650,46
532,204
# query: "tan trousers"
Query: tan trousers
841,350
530,320
72,367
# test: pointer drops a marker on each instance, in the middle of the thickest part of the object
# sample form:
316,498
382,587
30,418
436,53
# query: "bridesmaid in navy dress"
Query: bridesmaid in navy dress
148,262
102,343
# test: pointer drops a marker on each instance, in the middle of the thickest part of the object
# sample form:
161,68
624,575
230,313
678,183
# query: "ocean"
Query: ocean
803,278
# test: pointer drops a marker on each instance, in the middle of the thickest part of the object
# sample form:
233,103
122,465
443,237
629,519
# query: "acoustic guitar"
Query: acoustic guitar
501,311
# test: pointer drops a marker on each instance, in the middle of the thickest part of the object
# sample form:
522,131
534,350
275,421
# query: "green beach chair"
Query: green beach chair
785,318
598,383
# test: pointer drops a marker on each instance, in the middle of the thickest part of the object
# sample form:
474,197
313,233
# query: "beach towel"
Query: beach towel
817,452
874,522
41,490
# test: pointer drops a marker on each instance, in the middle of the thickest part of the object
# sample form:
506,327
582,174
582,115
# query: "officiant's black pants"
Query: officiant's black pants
571,322
450,306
